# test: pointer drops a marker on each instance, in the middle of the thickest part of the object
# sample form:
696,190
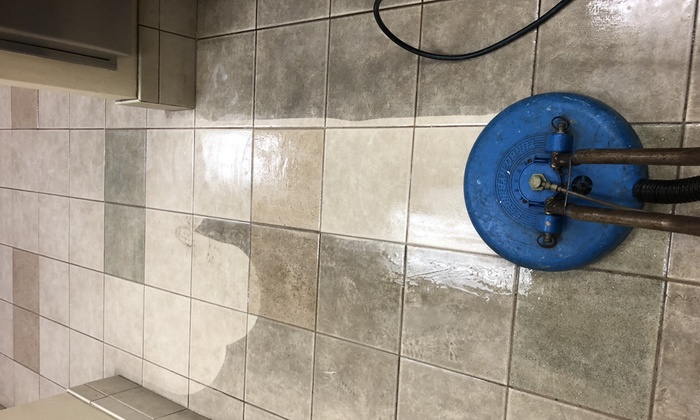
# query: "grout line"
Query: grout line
606,415
516,288
657,357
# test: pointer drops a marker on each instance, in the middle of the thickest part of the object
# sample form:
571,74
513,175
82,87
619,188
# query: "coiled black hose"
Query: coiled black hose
677,191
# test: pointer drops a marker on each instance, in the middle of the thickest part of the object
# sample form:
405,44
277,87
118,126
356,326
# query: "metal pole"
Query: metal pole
639,219
689,156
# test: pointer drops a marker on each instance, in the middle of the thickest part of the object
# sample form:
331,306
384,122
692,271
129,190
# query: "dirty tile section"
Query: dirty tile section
587,338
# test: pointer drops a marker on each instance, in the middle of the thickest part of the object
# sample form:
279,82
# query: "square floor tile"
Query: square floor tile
217,348
677,380
26,338
214,404
438,215
287,172
86,301
271,12
616,43
123,320
25,159
7,328
220,262
87,234
429,392
125,167
524,406
167,330
112,385
25,107
469,91
165,383
54,352
375,89
169,163
87,112
587,338
54,226
121,116
222,173
54,290
359,164
169,251
54,108
87,164
458,311
290,88
279,368
25,220
218,17
147,402
284,274
360,285
86,359
353,382
54,161
225,77
118,362
125,242
25,274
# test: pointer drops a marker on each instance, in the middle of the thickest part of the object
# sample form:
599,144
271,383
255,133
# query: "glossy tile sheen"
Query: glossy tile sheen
86,301
25,274
123,319
87,164
279,368
430,392
166,330
353,382
213,404
359,163
618,50
225,73
218,17
287,177
168,251
587,338
222,177
457,311
87,234
169,163
524,406
374,87
125,166
677,381
54,290
290,88
26,338
125,242
283,278
360,286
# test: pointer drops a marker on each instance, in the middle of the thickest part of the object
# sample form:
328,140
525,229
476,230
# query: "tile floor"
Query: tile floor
298,245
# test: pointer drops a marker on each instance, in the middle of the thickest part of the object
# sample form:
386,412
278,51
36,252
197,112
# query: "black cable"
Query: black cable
474,54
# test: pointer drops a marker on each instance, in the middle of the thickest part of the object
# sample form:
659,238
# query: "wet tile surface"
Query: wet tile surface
166,330
360,285
168,258
125,167
587,338
284,275
169,163
125,242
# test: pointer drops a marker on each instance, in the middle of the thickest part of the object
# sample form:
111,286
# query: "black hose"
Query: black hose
474,54
677,191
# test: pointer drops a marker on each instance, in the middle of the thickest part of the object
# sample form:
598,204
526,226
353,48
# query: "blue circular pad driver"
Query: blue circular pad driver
511,148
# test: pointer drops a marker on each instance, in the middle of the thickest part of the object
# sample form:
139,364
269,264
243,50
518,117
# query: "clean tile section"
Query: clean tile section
125,167
169,176
54,290
123,319
26,338
87,164
86,359
87,238
125,242
166,330
168,260
86,301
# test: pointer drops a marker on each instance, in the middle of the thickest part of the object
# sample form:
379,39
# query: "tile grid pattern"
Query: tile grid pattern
400,242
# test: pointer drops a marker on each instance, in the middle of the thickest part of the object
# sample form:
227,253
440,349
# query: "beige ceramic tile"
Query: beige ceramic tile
123,315
26,385
287,171
166,330
87,112
25,107
5,107
213,404
284,273
25,280
359,166
147,402
254,413
48,389
279,368
169,251
54,161
25,220
353,382
220,262
7,380
6,279
26,338
429,392
86,359
678,376
6,216
87,233
85,393
217,348
438,214
86,301
54,352
522,406
118,362
165,383
158,118
25,159
447,298
222,173
54,232
54,108
6,158
87,164
169,174
121,116
54,290
7,327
